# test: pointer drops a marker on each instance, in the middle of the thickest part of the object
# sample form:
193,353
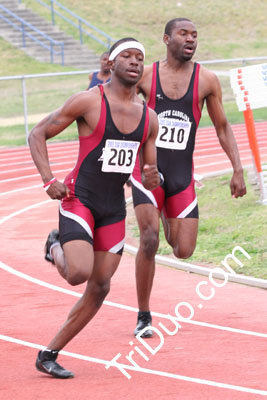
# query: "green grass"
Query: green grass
233,115
225,223
15,135
226,29
43,95
15,62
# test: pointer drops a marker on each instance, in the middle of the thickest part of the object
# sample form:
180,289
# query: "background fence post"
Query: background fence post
81,31
23,35
51,53
52,12
25,108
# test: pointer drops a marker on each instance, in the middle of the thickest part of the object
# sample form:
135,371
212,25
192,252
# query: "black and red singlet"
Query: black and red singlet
95,210
178,122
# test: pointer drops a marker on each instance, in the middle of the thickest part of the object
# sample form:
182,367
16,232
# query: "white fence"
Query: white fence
15,98
55,88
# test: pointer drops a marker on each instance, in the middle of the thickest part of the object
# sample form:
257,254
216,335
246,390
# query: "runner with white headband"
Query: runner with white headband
129,44
114,125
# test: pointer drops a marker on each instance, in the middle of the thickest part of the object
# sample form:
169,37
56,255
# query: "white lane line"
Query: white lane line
221,162
125,307
28,158
31,176
56,152
207,149
32,167
237,127
220,154
18,162
57,288
207,140
50,146
21,189
140,369
22,210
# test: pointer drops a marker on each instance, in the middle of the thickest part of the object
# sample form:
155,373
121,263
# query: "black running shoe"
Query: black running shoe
53,237
46,362
144,320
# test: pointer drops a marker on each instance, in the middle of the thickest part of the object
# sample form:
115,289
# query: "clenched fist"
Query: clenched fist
150,177
58,190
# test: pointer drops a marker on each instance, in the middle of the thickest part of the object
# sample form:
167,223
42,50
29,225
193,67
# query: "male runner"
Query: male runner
113,125
176,88
103,75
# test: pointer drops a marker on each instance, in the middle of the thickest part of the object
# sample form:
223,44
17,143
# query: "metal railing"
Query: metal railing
25,33
244,61
79,25
23,79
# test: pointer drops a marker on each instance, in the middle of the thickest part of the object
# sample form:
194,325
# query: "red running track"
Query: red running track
209,157
218,354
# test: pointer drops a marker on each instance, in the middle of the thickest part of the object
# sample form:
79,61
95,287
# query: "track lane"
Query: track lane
196,352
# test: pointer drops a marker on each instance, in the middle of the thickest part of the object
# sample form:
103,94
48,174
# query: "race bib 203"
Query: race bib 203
119,156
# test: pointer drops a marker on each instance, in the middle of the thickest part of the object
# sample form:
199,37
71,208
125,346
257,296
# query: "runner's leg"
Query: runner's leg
181,234
105,265
148,220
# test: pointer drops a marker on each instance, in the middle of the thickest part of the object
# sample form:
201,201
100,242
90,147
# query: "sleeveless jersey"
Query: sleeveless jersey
95,81
105,162
178,122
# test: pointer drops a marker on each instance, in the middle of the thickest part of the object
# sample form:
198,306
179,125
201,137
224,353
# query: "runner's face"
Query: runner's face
129,65
182,42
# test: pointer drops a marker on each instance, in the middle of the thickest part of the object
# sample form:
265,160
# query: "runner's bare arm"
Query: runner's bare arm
148,155
144,85
225,134
49,127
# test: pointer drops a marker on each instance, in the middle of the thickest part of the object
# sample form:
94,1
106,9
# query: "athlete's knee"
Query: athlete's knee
183,252
75,279
99,290
149,242
76,275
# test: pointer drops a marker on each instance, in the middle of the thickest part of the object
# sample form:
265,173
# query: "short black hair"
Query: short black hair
171,24
103,54
128,39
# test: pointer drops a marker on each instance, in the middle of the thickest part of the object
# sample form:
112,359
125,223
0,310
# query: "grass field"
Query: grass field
225,223
227,29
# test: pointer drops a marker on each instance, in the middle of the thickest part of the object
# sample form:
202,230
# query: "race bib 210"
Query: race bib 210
173,134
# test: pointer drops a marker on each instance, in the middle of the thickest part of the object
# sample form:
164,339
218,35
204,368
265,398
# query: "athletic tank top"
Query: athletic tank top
105,161
95,81
178,122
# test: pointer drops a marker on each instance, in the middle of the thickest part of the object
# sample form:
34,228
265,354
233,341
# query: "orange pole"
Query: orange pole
249,120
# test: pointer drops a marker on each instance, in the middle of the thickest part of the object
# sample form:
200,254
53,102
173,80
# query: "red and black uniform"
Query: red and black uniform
178,122
95,210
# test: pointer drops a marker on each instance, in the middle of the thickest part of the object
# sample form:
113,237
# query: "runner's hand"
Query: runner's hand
237,185
58,191
150,177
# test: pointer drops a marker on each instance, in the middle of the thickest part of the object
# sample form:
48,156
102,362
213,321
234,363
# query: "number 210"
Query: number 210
179,137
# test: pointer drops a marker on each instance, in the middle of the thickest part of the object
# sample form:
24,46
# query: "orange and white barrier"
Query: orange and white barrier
249,85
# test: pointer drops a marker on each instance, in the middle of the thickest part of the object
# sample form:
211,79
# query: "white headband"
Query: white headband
124,46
